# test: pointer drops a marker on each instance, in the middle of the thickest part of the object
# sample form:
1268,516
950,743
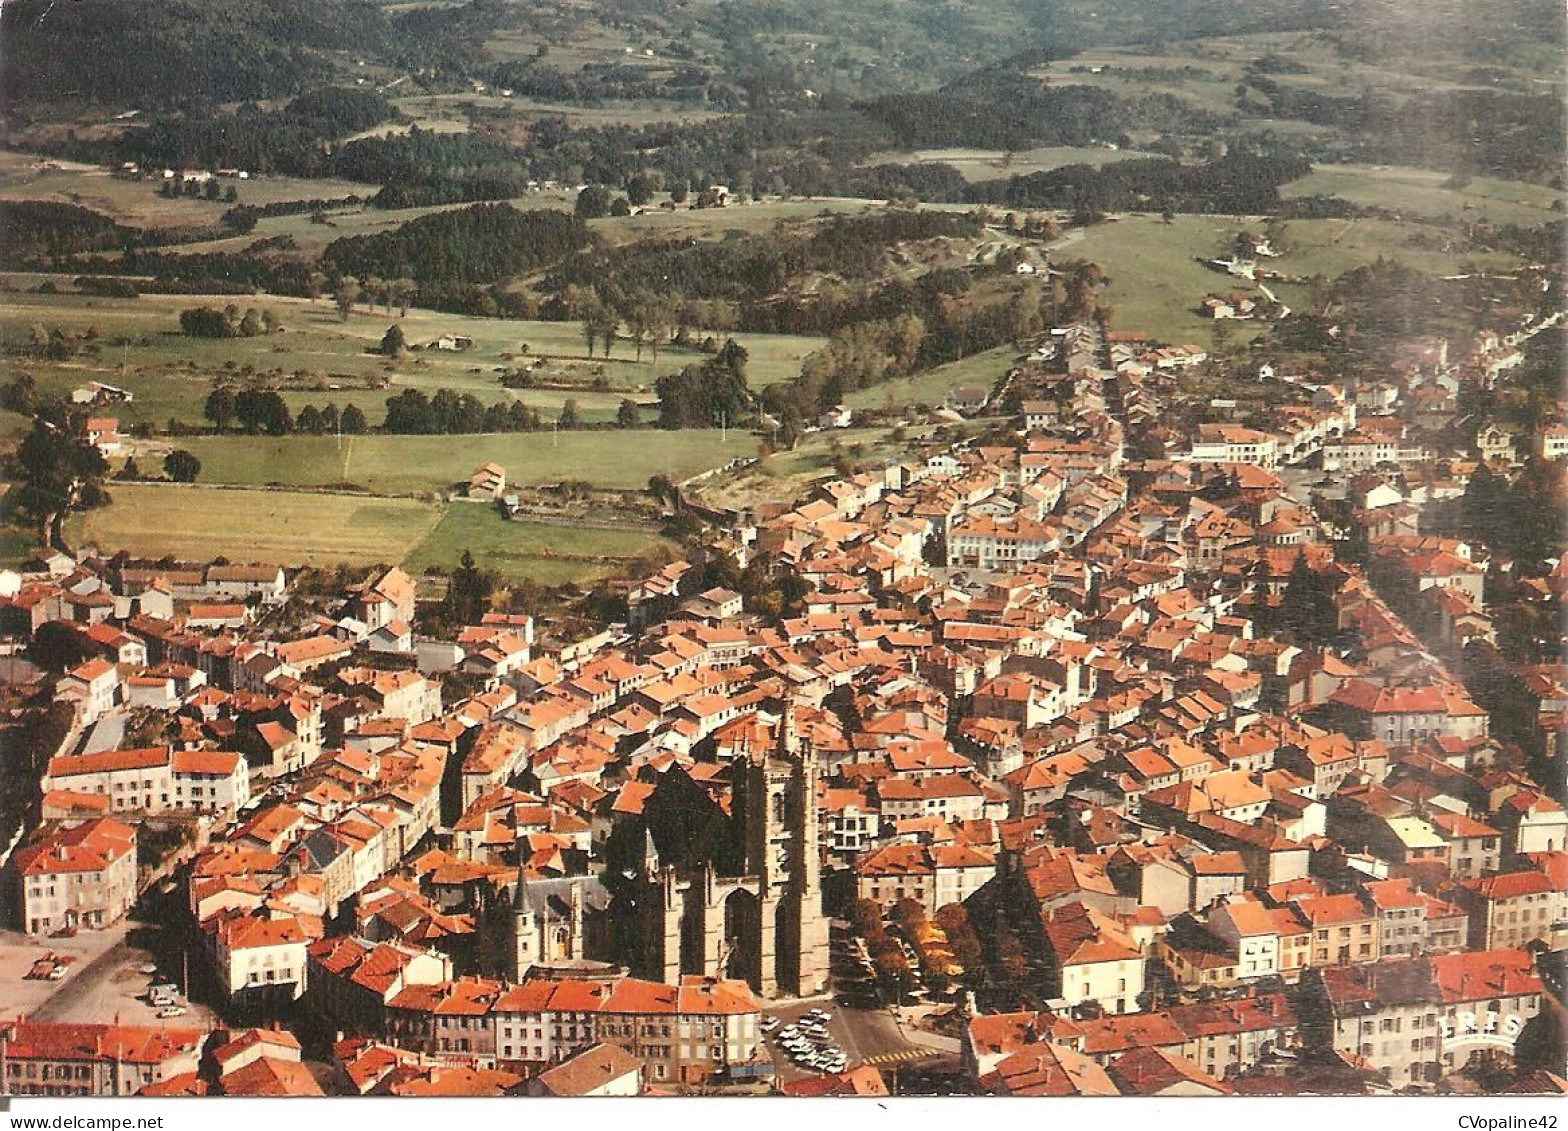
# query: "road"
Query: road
107,733
110,985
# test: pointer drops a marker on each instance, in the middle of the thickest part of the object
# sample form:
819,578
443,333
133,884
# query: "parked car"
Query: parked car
172,1011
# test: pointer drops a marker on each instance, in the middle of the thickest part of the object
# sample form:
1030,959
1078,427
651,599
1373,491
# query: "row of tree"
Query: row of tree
412,413
264,412
210,322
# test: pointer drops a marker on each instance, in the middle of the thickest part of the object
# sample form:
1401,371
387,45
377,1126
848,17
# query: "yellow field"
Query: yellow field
264,526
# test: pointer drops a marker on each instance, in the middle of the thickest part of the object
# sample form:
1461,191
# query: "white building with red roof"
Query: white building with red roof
76,876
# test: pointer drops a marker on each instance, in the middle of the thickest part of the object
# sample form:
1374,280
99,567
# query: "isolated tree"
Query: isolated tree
592,203
662,313
262,410
584,304
345,295
181,466
467,593
206,322
570,417
59,472
375,288
393,343
640,188
628,415
637,322
58,647
315,284
353,420
660,488
605,326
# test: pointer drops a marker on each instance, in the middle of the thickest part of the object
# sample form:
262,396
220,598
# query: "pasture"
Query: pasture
994,164
1425,193
1157,283
404,465
268,526
296,528
319,358
546,553
931,386
137,202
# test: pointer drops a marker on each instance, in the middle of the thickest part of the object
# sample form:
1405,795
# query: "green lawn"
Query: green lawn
269,526
544,552
931,387
615,460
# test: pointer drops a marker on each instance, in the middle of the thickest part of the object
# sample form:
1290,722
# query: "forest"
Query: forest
450,253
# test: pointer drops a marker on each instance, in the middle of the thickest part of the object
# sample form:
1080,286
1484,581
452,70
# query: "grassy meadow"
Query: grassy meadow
400,465
546,553
931,387
298,528
267,526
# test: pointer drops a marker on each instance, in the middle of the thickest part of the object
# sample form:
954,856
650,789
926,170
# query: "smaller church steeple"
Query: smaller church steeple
789,740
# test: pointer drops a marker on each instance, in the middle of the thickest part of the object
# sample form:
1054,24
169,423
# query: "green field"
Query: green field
311,238
1421,192
269,526
171,374
1157,282
137,202
931,387
546,553
614,460
993,164
295,528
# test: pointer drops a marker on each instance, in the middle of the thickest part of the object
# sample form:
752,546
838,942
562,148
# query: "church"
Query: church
703,882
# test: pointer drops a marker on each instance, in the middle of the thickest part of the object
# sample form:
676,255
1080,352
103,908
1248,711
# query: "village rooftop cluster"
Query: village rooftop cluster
1135,776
